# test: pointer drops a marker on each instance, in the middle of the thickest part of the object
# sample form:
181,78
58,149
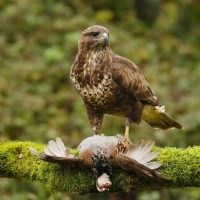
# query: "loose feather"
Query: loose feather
36,153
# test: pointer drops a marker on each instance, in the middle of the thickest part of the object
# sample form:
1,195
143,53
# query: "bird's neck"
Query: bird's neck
101,163
101,56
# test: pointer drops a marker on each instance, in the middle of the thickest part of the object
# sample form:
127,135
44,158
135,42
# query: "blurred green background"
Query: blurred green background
38,43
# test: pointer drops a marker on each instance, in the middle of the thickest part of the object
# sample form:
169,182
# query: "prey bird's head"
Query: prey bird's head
103,183
94,37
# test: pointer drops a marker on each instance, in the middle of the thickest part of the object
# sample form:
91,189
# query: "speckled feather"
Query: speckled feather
111,84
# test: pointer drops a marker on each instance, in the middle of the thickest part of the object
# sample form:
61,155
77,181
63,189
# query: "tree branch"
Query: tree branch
182,166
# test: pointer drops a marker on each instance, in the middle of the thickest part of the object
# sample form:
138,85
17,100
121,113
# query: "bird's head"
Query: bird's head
103,183
94,37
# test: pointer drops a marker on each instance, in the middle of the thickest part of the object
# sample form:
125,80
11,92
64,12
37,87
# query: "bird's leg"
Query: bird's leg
95,118
126,134
127,140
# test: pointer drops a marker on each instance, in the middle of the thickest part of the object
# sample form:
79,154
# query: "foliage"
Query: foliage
38,42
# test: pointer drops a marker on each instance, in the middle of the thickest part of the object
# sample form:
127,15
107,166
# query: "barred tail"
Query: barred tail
156,117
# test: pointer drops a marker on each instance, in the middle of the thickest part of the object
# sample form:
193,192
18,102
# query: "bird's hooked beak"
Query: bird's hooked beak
103,183
105,38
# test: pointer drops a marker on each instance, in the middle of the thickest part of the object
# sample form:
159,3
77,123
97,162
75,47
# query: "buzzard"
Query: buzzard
102,154
111,84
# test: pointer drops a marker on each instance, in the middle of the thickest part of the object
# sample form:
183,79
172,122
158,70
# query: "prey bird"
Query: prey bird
102,154
111,84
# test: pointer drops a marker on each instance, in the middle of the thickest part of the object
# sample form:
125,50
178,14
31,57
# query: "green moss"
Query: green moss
182,166
123,181
16,161
74,152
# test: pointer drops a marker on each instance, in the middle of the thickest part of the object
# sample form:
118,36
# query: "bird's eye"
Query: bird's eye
94,34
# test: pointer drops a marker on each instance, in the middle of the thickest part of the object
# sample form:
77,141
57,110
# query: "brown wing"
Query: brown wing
64,161
129,164
129,77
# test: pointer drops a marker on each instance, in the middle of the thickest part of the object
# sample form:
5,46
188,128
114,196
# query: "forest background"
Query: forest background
38,43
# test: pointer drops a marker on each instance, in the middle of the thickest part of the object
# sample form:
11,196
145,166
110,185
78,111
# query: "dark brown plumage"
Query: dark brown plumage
111,84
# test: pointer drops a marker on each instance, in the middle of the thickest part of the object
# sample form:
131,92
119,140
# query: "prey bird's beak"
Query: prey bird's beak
105,38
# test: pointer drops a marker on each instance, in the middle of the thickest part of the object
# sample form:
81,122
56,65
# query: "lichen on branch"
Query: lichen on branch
181,166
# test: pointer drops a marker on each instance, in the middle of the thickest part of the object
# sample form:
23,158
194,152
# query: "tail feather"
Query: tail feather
156,117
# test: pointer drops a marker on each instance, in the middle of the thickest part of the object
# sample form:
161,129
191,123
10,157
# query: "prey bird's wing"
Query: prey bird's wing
66,161
56,152
131,80
138,158
128,164
143,154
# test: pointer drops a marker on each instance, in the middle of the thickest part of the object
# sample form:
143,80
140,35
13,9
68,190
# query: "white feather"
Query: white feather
149,157
142,153
153,165
160,109
34,152
140,149
100,143
57,148
60,144
52,147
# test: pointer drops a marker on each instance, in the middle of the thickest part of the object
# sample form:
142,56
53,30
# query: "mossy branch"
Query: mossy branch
182,166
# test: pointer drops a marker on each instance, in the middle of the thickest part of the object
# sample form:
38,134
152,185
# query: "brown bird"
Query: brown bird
111,84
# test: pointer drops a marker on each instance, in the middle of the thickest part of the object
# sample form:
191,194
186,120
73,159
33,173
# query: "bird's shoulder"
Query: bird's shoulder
129,77
118,61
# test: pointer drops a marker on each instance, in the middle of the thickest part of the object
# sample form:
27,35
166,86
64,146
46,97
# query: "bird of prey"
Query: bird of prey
111,84
103,154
